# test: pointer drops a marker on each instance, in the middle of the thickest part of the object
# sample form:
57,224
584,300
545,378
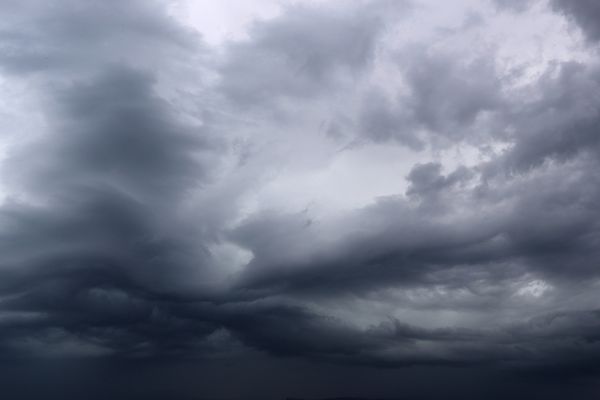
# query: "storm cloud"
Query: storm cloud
389,190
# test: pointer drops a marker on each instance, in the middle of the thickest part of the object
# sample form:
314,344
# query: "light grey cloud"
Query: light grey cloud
513,5
304,53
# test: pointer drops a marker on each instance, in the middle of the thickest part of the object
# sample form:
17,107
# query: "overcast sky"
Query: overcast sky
258,199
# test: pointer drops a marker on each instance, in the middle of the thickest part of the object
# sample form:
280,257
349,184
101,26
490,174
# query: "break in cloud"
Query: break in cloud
391,187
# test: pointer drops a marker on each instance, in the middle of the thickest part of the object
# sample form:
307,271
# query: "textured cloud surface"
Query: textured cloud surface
391,199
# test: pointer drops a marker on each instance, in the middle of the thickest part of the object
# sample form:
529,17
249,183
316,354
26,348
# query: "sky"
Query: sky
239,200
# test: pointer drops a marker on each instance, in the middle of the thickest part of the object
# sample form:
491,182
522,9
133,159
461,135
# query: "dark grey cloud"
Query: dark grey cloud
475,88
585,13
421,113
559,125
382,121
40,36
92,236
426,179
396,242
139,230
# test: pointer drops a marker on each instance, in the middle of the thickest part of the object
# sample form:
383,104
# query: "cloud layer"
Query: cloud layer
377,185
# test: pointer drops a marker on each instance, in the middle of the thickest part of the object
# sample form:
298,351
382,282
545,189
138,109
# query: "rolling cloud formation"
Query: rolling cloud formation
376,184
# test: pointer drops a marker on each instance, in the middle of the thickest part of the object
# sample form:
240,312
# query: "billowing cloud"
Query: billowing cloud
377,186
584,13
